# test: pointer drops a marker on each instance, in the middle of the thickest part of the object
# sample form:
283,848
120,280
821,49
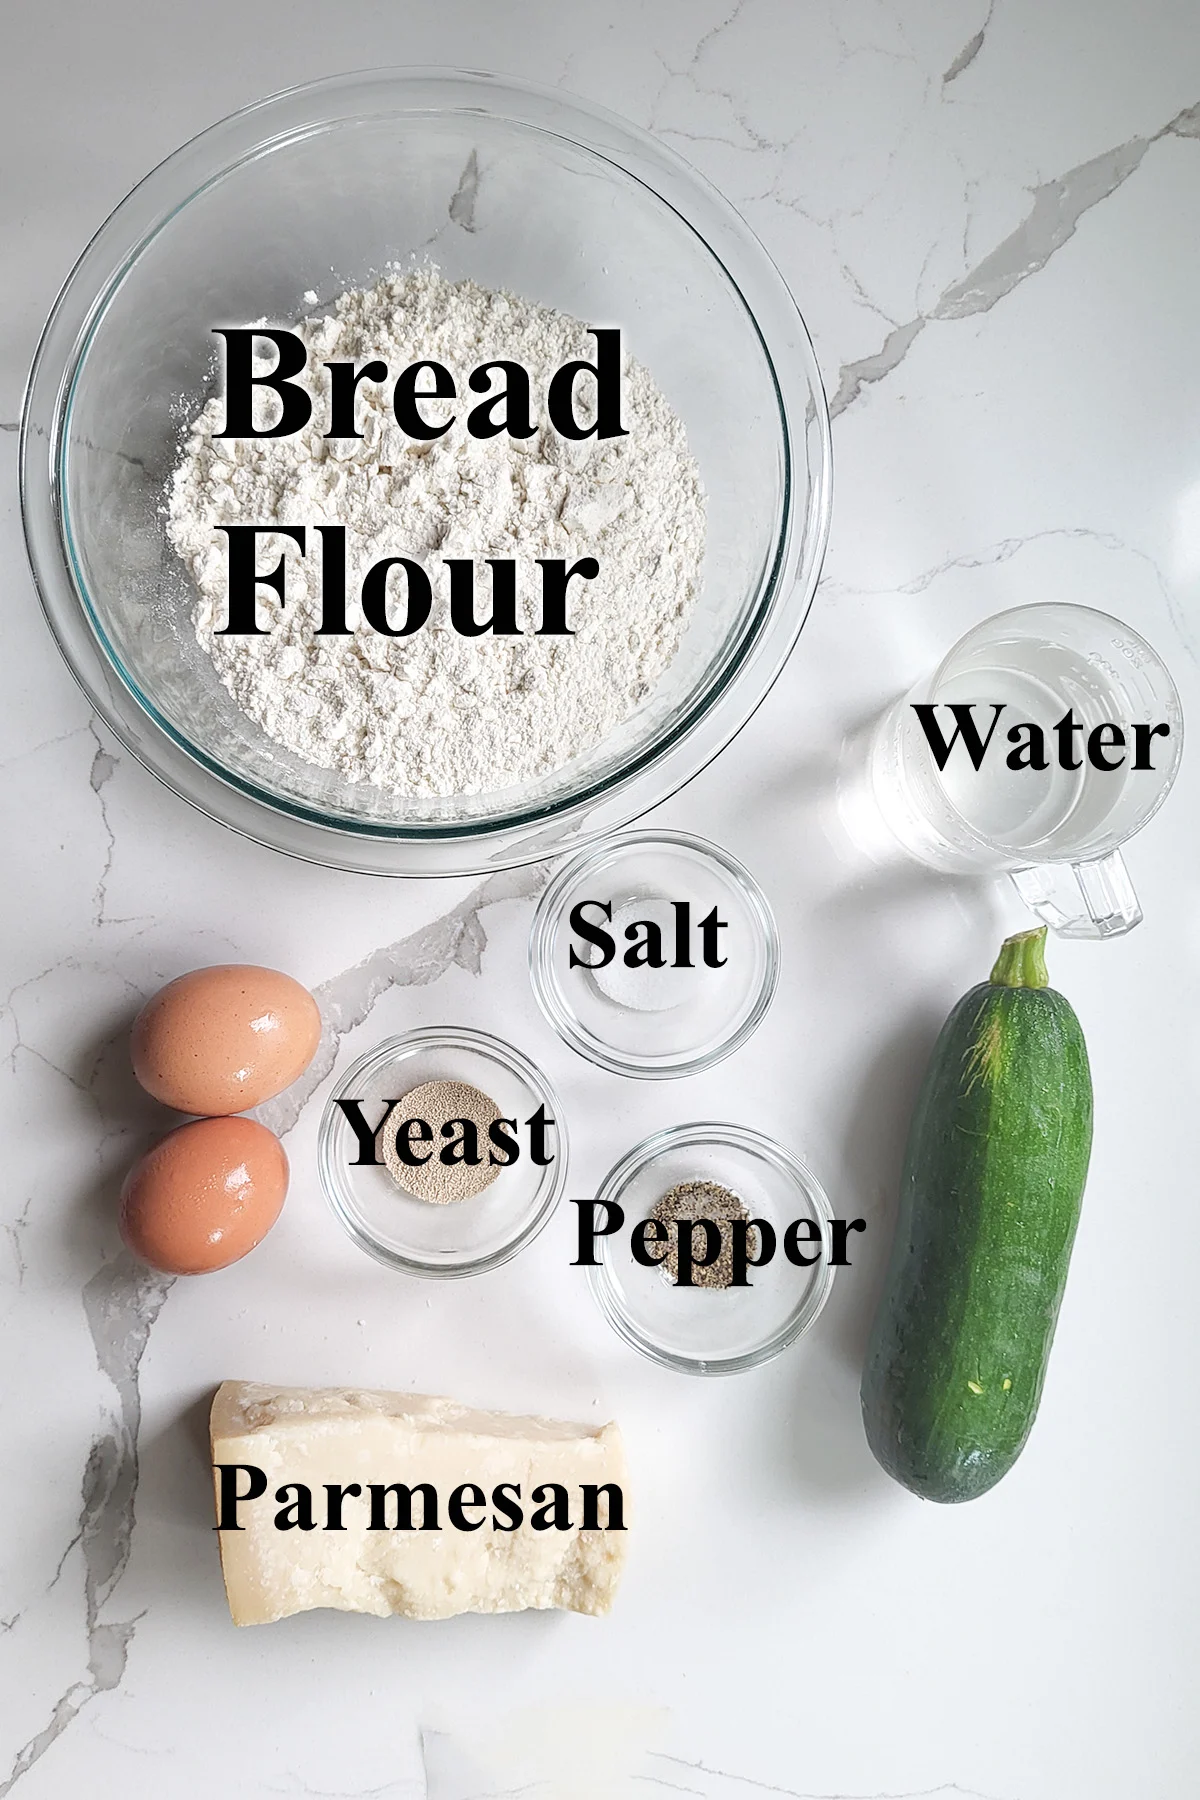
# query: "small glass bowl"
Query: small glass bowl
712,1331
654,1022
465,1237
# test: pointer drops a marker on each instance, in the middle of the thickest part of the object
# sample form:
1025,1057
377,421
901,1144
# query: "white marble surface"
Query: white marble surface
989,216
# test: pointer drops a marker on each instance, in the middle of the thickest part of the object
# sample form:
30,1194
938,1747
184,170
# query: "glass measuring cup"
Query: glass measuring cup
1056,830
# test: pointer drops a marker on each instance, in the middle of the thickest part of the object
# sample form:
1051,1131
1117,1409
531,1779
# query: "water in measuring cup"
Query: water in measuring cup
1055,811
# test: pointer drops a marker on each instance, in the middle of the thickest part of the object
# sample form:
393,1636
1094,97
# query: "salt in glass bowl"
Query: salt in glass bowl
463,1237
713,1331
325,187
654,1022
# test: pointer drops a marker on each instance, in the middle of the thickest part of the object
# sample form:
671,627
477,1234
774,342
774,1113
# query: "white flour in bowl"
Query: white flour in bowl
437,714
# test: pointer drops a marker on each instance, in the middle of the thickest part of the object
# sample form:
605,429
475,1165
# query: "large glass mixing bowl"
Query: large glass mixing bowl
321,188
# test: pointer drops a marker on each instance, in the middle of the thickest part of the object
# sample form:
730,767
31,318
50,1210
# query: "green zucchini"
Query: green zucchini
993,1180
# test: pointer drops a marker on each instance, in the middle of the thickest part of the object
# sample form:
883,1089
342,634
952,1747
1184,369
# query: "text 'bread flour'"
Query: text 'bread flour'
433,713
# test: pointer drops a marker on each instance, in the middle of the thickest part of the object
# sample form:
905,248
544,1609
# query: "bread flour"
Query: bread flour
436,714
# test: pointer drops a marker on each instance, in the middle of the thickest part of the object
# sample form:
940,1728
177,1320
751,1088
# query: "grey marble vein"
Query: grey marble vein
1053,218
662,1785
715,31
752,138
747,1784
35,749
969,51
15,1232
462,201
1006,548
1003,551
452,1772
121,1302
104,764
457,937
8,1009
854,377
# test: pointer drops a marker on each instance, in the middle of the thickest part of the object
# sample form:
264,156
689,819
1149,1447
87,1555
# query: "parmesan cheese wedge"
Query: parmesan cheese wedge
402,1504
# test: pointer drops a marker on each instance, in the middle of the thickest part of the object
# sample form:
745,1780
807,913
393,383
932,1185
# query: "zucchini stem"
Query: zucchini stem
1022,961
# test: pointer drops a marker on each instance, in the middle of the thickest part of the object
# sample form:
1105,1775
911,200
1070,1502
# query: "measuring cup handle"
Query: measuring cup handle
1081,900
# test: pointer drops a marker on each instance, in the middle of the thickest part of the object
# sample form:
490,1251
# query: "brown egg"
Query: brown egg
223,1039
204,1195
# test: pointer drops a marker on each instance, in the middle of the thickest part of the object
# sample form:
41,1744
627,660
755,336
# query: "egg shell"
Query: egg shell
204,1195
224,1039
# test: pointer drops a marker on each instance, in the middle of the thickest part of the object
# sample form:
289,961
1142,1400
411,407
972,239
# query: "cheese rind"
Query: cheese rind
319,1436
